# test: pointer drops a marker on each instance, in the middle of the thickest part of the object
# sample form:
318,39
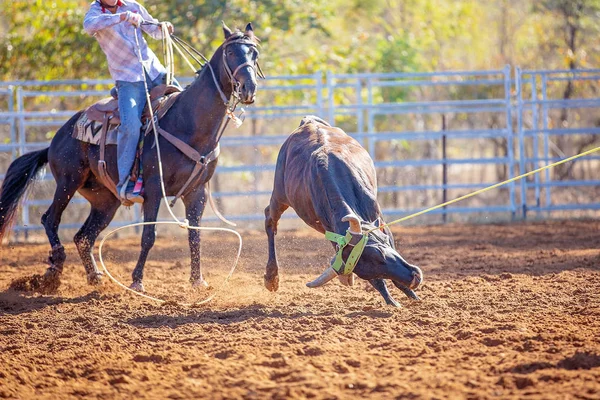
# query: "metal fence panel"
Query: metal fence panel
547,124
362,100
433,136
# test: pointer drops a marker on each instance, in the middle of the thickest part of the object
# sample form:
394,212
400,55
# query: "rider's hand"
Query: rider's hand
134,19
169,26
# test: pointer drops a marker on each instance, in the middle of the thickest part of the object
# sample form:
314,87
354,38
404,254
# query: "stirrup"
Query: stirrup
128,198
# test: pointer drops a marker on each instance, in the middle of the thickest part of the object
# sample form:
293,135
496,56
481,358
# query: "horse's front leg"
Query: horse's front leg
151,205
194,208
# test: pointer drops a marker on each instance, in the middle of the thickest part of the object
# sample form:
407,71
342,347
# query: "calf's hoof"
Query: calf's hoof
393,303
95,278
137,286
272,283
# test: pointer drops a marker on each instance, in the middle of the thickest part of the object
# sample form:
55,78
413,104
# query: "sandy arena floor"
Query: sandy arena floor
507,311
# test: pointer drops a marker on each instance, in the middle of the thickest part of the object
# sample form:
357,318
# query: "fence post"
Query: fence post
22,147
330,83
520,105
444,169
13,126
536,131
510,138
319,88
370,117
546,138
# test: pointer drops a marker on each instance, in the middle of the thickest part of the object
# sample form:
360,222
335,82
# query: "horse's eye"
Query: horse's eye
230,53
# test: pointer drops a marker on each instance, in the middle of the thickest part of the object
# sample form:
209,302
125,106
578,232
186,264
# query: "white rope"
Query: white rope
209,298
168,54
181,223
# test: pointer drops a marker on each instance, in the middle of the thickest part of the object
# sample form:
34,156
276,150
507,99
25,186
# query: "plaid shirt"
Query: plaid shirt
116,38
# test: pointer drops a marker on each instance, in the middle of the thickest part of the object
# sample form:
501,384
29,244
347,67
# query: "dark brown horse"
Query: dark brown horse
195,118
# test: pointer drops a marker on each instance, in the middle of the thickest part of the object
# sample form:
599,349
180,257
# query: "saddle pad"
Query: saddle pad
90,131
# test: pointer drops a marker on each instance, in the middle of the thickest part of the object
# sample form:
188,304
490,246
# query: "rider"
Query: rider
113,23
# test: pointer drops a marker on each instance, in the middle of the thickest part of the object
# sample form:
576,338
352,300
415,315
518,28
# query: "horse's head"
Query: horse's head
240,62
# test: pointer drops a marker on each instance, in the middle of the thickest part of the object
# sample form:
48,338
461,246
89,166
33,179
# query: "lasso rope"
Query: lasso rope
167,53
209,298
585,153
176,221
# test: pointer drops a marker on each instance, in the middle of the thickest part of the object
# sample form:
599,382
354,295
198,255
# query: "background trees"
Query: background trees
45,40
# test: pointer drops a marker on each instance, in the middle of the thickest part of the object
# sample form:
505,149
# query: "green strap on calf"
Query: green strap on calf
339,266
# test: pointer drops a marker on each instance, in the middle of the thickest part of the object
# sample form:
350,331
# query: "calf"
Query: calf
329,179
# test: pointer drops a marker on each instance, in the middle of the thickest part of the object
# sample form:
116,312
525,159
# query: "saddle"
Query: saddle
106,112
110,105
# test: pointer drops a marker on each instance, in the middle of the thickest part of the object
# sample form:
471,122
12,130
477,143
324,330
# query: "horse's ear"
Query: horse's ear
226,31
249,30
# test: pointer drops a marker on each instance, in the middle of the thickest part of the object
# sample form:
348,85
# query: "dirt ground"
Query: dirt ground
507,311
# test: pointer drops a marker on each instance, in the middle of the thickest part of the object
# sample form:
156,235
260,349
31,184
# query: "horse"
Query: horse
195,118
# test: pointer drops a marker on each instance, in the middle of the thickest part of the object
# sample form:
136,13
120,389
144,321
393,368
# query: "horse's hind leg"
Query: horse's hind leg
104,206
65,189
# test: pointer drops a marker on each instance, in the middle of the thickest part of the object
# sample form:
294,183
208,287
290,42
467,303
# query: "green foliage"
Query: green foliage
574,26
45,39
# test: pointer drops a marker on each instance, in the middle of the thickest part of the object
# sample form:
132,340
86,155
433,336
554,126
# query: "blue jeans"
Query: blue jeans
132,101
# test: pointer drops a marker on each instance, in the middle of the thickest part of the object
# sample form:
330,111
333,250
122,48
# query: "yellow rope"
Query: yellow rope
585,153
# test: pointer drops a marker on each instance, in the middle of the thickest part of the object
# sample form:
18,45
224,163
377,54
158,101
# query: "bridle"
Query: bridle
234,99
231,75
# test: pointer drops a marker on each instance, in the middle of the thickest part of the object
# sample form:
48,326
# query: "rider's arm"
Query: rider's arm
95,20
151,29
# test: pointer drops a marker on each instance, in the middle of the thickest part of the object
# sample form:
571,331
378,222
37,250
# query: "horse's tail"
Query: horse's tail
21,173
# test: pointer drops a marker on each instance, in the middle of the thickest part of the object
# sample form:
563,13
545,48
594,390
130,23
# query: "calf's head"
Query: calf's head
378,260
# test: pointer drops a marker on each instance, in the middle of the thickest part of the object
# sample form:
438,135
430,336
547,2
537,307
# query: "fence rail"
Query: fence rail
432,136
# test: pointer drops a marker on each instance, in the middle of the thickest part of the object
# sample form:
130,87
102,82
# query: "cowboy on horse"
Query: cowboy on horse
114,24
187,130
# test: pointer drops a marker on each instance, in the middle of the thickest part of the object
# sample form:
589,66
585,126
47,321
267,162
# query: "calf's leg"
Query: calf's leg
272,215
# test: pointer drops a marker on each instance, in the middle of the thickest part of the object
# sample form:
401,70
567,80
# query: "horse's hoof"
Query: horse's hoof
95,278
272,284
50,282
138,286
199,283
